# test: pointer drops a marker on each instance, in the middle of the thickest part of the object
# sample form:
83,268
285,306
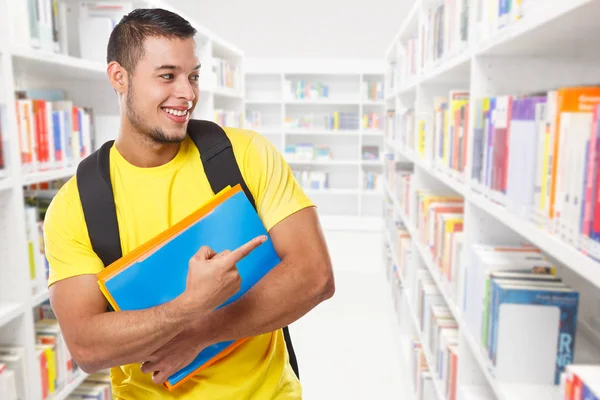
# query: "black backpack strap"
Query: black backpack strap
97,201
222,170
217,156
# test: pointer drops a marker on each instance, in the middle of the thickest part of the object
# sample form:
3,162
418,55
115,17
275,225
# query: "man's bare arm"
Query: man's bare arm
300,282
98,339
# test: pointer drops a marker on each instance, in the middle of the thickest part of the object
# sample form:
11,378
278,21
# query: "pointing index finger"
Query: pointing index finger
246,248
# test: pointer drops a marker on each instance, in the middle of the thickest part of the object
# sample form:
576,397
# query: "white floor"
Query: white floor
346,347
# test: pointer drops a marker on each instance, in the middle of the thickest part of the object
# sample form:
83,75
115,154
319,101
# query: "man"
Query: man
158,179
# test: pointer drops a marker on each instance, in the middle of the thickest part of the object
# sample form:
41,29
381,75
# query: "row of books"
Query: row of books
343,121
399,184
53,133
421,374
443,32
307,152
372,120
581,382
439,330
96,386
513,302
400,127
440,221
330,121
440,136
228,118
509,296
304,90
370,152
253,119
37,199
316,180
499,14
436,327
226,73
448,147
538,154
372,90
371,180
38,264
404,67
55,26
56,366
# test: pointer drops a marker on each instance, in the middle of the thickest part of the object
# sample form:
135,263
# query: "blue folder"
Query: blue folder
160,276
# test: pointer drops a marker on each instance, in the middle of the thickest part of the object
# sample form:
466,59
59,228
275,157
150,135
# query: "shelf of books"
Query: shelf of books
56,107
491,175
329,126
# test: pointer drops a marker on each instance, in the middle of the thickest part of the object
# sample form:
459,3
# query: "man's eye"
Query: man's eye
167,76
195,78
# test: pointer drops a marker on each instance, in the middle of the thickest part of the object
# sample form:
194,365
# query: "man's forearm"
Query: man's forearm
125,337
280,298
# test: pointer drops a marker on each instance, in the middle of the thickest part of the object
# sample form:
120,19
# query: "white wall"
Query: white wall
307,28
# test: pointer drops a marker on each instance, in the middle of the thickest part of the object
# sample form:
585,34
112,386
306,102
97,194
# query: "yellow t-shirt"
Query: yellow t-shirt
148,201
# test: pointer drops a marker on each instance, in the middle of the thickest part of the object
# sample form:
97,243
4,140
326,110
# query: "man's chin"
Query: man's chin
170,137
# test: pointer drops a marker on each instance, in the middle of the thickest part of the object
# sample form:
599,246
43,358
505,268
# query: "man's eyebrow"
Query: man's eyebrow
167,66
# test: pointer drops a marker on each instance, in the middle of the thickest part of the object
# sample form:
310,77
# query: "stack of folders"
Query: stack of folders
156,272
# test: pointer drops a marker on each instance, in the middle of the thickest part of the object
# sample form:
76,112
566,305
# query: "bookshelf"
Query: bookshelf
463,170
324,116
34,67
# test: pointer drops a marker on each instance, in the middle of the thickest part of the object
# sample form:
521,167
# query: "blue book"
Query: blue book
138,280
564,300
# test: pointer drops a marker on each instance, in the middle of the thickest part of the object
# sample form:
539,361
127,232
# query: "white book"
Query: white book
66,121
45,25
458,270
581,125
551,113
8,385
15,359
561,188
50,129
484,262
526,343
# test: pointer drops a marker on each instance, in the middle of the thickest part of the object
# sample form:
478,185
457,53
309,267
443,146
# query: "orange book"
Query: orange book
569,100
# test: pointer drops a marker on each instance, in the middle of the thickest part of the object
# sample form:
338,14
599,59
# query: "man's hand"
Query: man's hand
173,356
212,279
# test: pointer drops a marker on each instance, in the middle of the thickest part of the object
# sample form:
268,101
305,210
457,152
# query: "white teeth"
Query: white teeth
176,112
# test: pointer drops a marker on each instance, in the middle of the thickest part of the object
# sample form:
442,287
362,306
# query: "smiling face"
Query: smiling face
163,90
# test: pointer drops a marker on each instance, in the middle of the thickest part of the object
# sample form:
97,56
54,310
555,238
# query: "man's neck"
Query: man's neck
141,151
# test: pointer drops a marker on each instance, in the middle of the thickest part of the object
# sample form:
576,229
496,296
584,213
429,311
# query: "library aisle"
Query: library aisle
347,347
456,174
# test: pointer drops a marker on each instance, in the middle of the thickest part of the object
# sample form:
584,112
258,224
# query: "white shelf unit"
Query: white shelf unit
279,107
548,47
23,66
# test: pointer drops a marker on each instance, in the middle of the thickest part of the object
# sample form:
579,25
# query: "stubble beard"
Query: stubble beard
154,135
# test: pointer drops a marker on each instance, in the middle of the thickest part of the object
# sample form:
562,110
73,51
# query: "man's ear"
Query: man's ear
117,75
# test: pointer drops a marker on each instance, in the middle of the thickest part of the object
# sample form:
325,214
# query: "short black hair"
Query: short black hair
126,42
